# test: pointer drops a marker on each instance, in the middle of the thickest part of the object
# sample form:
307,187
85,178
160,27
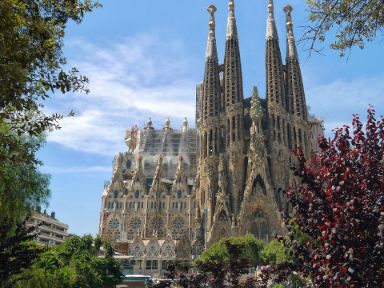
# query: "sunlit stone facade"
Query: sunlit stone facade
224,177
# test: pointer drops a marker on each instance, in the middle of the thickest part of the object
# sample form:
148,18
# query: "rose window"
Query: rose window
136,224
178,224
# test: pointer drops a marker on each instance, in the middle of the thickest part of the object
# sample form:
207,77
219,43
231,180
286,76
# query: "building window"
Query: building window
151,265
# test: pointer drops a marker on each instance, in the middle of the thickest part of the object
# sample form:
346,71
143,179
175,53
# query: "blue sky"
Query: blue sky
144,59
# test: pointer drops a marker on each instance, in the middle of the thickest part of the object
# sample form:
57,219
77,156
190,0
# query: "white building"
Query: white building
49,231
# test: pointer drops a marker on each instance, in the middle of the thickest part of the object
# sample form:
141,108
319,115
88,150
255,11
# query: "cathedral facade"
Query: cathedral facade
226,176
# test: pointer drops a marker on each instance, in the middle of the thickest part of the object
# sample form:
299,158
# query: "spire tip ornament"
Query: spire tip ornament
212,9
270,6
231,6
288,9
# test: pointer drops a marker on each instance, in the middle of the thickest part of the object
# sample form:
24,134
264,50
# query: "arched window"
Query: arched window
223,216
258,186
178,228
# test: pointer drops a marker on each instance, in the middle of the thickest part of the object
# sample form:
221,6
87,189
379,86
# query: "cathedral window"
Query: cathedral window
135,224
113,229
178,228
116,194
223,217
258,186
151,265
179,194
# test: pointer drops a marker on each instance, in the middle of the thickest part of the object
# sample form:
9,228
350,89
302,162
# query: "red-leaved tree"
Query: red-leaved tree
339,208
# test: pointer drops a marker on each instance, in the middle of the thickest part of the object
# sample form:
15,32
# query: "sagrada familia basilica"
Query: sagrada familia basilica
175,192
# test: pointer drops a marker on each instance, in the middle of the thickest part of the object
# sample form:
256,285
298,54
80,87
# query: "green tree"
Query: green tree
14,241
75,264
31,70
274,253
31,60
223,263
353,22
22,186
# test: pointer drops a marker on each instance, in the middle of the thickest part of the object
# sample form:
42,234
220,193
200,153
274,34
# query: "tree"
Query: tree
31,70
353,21
274,253
17,251
224,262
31,60
339,208
22,186
76,263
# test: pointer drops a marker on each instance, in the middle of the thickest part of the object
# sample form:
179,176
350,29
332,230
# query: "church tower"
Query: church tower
233,95
295,90
277,109
209,127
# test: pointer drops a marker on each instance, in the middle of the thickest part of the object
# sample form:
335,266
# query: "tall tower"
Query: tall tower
277,110
233,95
209,132
274,64
295,88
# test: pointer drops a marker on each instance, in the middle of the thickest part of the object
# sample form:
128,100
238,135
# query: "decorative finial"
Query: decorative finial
231,25
288,9
270,6
167,123
149,124
231,7
185,124
271,26
211,46
212,9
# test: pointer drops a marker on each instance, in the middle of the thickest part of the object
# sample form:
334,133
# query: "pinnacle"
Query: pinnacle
212,9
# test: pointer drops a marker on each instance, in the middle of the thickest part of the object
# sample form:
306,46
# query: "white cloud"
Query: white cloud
131,80
145,76
337,101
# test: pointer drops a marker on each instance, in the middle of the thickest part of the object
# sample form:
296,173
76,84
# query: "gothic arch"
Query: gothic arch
223,217
258,186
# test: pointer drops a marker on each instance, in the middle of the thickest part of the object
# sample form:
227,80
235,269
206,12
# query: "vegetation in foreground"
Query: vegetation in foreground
79,262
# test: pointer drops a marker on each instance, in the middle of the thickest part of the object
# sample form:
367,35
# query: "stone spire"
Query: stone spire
157,185
211,46
211,93
233,79
231,25
295,87
138,176
291,46
233,95
271,26
274,65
